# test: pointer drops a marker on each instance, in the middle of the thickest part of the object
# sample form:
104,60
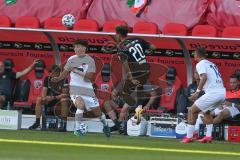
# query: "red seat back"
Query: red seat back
175,29
27,22
204,30
231,32
169,92
145,28
54,23
110,26
36,85
86,25
5,21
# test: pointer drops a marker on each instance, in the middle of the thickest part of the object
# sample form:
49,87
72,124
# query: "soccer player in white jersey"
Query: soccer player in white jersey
212,84
82,69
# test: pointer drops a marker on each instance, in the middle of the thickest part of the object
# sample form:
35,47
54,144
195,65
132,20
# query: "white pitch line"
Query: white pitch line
122,147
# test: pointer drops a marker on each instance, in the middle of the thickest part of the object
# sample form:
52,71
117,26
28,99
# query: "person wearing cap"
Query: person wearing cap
6,79
53,94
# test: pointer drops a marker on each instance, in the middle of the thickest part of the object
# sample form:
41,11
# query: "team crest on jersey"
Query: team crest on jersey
104,87
38,84
169,90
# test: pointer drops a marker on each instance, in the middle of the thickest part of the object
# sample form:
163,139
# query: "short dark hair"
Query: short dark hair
82,42
201,51
234,76
122,30
54,68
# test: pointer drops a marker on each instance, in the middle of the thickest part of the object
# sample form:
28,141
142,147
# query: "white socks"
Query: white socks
103,119
190,130
78,118
209,130
198,122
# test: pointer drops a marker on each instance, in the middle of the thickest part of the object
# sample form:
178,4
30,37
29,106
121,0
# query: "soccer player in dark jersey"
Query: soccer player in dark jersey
132,52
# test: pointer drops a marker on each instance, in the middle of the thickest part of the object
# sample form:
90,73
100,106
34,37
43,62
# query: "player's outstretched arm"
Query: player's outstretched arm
26,70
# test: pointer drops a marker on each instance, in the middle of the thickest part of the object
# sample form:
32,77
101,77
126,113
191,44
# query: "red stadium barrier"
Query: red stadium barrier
24,46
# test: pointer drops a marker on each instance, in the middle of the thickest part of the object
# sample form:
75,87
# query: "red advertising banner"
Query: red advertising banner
24,46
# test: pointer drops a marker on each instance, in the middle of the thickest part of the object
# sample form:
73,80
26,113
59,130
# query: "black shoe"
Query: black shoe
123,128
114,128
34,126
106,131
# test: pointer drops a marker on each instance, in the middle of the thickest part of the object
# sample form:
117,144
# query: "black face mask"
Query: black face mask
39,68
8,63
39,72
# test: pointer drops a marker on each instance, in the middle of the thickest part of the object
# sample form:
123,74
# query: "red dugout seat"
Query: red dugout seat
35,89
36,78
86,25
27,22
54,23
204,30
110,26
5,21
145,28
175,29
231,32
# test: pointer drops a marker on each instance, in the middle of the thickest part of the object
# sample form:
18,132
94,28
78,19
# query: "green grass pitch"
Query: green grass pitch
39,145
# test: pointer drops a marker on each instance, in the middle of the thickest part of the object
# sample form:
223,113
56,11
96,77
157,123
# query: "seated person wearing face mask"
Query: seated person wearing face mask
53,94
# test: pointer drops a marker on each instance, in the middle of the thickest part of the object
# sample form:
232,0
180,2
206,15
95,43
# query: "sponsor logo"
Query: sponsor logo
63,47
216,54
18,45
66,39
38,46
219,46
236,55
169,53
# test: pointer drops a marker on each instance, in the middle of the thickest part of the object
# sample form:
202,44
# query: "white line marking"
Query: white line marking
122,147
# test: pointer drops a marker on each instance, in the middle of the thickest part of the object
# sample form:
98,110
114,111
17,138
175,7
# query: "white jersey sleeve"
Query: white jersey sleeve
201,68
214,80
91,65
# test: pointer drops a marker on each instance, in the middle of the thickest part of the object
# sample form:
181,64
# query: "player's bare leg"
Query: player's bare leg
79,104
64,113
2,101
38,111
192,116
221,116
98,113
123,117
109,108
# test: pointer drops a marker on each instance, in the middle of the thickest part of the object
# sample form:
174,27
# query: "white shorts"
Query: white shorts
210,101
233,111
90,102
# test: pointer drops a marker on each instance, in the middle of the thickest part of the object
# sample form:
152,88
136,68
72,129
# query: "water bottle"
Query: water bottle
43,118
8,106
